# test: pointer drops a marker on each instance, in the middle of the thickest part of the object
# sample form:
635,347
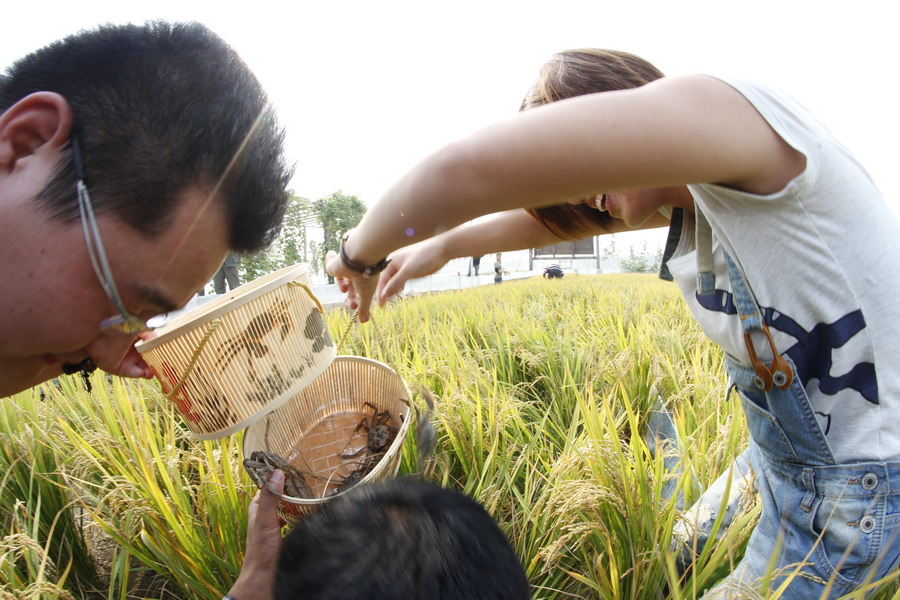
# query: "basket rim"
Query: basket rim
396,445
236,298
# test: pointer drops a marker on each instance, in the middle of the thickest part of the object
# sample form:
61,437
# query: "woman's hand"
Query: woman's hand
257,578
359,289
411,262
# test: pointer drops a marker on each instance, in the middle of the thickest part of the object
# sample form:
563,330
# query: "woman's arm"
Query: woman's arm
511,230
507,231
668,133
671,132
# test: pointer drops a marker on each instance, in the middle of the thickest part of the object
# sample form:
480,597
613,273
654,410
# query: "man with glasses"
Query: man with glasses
132,160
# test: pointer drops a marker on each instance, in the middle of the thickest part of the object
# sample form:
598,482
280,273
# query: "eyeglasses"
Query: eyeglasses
124,323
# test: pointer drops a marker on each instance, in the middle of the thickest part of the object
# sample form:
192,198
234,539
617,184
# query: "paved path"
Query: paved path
329,295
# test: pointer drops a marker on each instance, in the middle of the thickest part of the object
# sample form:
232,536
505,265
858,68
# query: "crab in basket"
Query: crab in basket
380,433
261,464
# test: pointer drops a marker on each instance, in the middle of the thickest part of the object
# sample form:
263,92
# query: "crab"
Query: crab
353,477
261,464
380,433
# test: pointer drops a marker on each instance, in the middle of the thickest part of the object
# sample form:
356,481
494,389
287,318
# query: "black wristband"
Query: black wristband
364,270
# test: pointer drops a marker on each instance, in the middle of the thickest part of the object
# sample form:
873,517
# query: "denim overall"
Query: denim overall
827,528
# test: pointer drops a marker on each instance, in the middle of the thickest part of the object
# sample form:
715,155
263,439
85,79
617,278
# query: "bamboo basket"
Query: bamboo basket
322,422
233,360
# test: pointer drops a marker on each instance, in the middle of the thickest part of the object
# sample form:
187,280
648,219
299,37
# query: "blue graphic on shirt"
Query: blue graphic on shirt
812,352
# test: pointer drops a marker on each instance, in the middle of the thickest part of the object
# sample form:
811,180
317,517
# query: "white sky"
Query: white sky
365,88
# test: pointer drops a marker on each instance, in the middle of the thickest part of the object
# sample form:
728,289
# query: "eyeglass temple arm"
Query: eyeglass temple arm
96,251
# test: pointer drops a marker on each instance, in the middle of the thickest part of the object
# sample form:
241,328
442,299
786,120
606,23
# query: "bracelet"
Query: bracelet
365,270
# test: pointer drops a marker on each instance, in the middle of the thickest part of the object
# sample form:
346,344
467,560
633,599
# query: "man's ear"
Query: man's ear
38,124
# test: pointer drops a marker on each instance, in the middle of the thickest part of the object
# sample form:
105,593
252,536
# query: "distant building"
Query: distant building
578,256
581,256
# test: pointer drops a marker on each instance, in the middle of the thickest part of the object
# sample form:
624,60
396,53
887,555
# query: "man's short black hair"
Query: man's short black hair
400,539
160,108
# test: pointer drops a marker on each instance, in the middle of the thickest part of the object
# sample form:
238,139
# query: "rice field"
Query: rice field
541,390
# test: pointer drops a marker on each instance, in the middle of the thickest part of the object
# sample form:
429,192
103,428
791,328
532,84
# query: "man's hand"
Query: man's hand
257,578
133,365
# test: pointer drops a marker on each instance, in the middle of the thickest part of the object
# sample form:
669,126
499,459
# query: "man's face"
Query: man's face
53,302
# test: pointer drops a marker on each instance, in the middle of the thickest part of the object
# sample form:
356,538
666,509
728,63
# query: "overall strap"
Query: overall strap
706,277
779,372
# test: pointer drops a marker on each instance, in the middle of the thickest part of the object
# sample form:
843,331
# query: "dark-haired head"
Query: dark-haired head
398,540
574,73
159,109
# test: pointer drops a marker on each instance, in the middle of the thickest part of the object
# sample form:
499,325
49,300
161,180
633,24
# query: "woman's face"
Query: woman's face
633,207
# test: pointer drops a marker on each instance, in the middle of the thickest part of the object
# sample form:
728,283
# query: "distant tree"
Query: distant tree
609,251
293,239
317,254
338,214
290,246
257,264
335,214
638,262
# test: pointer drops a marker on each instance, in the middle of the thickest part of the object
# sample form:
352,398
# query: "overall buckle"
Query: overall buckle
778,373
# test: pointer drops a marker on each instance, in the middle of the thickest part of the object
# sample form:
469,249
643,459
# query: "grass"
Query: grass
540,388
